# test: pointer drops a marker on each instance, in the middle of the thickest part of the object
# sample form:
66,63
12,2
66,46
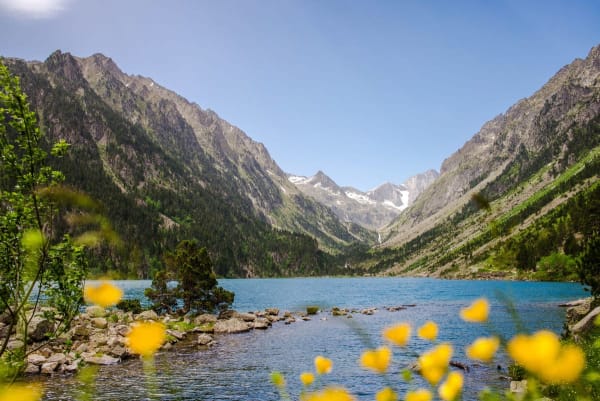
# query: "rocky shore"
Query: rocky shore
98,336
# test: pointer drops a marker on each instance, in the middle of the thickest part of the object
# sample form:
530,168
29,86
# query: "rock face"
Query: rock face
372,209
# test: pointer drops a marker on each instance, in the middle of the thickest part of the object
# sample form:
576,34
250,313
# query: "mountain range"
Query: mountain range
522,189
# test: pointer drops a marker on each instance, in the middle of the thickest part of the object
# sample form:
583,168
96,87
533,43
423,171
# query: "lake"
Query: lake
239,366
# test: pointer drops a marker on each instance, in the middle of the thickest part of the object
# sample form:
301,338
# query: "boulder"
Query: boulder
576,313
71,367
15,344
99,322
272,311
205,318
36,359
118,351
122,330
147,315
587,323
205,339
233,325
32,369
101,360
81,330
49,367
95,311
58,358
227,314
179,335
246,317
39,327
262,323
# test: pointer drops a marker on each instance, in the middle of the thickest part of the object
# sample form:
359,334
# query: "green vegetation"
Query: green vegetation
196,287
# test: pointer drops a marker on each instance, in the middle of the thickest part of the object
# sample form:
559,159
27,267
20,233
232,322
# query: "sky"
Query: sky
366,91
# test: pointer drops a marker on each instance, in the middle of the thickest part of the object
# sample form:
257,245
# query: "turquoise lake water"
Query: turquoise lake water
238,367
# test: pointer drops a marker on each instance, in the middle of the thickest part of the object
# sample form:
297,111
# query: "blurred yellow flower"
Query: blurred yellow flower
19,392
377,360
398,334
483,349
434,364
419,395
104,294
328,394
387,394
146,338
543,355
307,378
477,312
451,388
277,379
428,331
323,365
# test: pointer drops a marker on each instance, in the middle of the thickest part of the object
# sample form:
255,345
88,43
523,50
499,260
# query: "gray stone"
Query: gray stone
71,367
99,322
179,335
15,344
49,367
246,317
519,388
96,311
38,329
578,312
122,330
205,339
118,351
101,360
147,315
272,311
58,358
32,368
262,323
81,331
83,347
205,318
232,325
587,323
36,359
227,314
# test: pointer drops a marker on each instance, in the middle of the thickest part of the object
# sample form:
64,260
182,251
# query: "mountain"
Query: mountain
372,209
524,188
167,170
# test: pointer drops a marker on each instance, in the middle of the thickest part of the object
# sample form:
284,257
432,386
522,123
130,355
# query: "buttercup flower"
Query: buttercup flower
428,331
398,334
146,338
277,379
543,355
377,360
419,395
434,363
452,387
104,294
477,312
323,365
328,394
483,349
18,392
387,394
307,378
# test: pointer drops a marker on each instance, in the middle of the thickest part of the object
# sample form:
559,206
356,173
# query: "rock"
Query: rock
349,316
5,317
205,339
587,323
338,312
518,387
576,313
227,314
167,346
99,322
101,360
32,368
246,317
147,315
262,323
571,304
306,318
273,318
15,344
49,367
72,367
205,318
98,339
179,335
272,311
95,311
4,330
38,329
118,351
58,358
83,347
122,330
233,325
82,331
36,359
287,314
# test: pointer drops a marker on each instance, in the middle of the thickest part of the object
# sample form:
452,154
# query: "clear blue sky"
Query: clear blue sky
367,91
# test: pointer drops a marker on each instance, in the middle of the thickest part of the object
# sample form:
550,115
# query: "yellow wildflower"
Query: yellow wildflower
398,334
146,338
377,360
323,365
307,378
419,395
277,379
428,331
543,355
483,349
451,388
387,394
104,294
434,363
18,392
477,312
328,394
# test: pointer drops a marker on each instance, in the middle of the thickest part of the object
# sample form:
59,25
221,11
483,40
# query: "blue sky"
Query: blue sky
367,91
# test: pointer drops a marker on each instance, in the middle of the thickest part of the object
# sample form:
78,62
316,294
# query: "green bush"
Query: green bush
130,305
312,310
